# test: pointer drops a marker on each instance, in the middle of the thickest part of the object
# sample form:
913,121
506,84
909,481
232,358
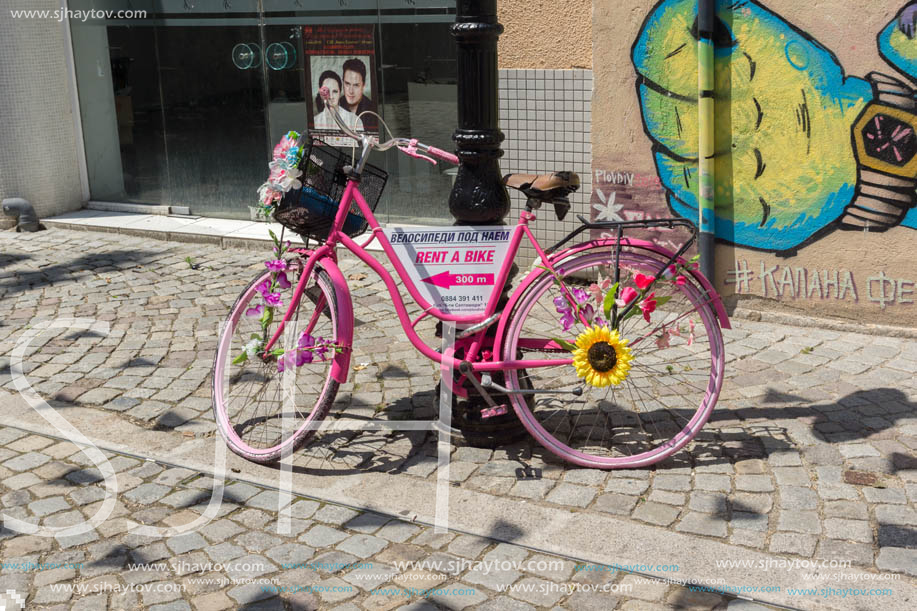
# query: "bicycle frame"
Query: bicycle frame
327,251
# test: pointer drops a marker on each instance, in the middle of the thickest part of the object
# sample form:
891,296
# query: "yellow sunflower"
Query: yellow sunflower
601,357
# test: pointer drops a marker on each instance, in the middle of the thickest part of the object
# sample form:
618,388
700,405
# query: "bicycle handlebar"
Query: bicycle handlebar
408,146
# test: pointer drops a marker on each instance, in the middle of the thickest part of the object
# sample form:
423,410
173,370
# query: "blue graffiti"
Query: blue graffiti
766,197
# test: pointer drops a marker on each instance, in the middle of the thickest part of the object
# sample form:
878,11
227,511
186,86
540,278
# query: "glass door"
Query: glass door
182,107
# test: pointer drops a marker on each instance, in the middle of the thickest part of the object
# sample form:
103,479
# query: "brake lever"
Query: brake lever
411,149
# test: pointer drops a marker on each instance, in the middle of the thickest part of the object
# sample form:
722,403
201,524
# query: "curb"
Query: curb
742,312
224,242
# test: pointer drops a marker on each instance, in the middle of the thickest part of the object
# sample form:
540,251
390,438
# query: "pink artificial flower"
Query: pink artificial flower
264,287
273,300
691,334
670,272
648,306
276,265
628,294
642,282
596,293
681,280
255,310
280,151
663,340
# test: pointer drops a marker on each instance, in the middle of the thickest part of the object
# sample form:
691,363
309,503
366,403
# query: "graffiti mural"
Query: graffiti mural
802,149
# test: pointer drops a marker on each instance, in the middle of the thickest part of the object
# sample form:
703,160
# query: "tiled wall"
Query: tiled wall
38,151
547,119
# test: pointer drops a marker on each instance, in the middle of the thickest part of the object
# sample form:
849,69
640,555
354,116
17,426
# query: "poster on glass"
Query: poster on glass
343,59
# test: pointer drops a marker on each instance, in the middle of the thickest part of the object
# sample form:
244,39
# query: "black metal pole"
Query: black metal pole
478,196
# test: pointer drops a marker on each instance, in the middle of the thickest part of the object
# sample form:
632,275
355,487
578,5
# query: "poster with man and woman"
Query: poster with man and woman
341,58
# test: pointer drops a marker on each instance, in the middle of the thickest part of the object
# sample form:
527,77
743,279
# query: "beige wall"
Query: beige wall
553,34
794,179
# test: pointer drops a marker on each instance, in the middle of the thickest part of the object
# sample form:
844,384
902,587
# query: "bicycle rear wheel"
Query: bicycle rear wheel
665,398
259,420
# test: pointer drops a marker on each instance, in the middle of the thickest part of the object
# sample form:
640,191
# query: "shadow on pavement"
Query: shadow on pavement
76,268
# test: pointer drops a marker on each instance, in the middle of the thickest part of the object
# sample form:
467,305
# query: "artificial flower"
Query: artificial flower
276,265
648,306
255,310
643,282
601,357
273,300
289,179
282,281
252,347
628,294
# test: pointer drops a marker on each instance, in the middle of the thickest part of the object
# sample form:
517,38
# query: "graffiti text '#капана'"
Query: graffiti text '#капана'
793,282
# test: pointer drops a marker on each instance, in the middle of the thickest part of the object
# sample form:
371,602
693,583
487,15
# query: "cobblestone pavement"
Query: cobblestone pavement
809,454
330,557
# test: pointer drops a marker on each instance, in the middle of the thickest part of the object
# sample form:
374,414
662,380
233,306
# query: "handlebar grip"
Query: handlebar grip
441,154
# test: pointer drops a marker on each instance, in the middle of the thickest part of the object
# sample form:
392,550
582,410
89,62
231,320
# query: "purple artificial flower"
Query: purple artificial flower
287,360
264,287
567,320
255,310
305,341
273,300
277,265
580,296
303,357
321,347
282,281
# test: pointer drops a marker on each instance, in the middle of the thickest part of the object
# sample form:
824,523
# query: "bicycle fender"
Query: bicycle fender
341,365
715,299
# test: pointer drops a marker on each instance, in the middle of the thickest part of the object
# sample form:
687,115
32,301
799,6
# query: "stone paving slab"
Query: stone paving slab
248,559
810,453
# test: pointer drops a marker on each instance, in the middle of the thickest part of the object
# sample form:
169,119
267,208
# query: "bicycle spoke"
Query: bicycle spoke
650,405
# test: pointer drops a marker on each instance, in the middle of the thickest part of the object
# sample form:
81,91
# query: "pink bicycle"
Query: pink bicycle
609,351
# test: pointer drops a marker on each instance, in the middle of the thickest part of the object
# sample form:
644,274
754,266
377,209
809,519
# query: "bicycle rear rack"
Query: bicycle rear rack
619,227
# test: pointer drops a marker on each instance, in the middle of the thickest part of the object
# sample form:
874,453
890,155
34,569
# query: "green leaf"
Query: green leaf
695,258
564,344
240,359
663,300
609,302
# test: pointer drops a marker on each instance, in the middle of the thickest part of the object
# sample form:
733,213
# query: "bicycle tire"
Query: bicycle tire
266,405
560,424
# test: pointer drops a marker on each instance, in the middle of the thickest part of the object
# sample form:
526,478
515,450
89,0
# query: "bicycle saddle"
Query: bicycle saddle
552,188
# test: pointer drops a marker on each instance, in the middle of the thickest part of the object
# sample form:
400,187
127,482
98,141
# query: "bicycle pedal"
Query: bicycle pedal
490,412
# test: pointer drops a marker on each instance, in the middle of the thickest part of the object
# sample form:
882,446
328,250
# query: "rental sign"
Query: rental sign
454,268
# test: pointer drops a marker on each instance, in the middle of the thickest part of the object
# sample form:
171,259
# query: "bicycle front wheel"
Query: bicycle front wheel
662,401
268,407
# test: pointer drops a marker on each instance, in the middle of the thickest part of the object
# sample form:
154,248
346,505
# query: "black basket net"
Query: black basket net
310,210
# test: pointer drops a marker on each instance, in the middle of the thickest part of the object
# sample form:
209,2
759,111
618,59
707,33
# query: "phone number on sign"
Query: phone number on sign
461,298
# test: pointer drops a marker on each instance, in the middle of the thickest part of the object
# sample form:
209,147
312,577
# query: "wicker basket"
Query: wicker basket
310,211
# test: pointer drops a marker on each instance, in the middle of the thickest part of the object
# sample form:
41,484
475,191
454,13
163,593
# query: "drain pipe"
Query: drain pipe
22,210
706,18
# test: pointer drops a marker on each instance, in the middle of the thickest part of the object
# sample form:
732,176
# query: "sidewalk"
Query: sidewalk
810,454
327,556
